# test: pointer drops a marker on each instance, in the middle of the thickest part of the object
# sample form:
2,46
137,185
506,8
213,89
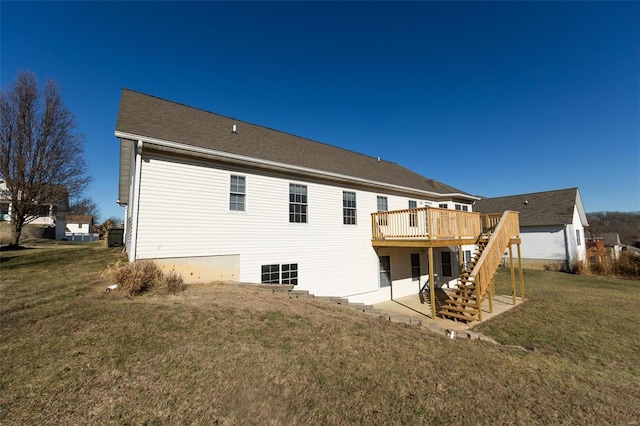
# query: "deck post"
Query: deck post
521,274
432,285
490,292
513,275
460,261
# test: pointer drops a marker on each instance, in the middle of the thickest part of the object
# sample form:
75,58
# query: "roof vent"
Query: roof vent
526,202
234,129
378,159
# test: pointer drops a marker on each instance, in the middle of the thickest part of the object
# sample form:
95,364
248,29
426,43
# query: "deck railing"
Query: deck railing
425,223
507,228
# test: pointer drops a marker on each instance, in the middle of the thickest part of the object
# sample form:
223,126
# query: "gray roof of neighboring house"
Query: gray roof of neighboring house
79,219
538,208
149,116
612,239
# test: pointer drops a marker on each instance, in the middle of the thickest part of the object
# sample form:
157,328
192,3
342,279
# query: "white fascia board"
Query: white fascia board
282,166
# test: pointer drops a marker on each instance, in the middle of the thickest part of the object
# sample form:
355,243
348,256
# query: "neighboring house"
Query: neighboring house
50,215
80,228
217,198
612,245
552,225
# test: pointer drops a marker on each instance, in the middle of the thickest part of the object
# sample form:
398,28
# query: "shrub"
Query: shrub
628,265
138,277
173,282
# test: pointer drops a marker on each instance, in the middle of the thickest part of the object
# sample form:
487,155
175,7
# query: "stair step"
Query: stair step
459,309
460,302
458,316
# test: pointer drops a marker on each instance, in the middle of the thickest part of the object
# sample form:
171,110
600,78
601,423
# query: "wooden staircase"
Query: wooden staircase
463,304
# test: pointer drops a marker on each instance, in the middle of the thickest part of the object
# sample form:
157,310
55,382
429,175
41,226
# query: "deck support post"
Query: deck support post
521,273
513,275
490,293
432,285
460,261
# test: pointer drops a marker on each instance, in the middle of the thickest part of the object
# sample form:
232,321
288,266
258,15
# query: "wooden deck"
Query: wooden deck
434,227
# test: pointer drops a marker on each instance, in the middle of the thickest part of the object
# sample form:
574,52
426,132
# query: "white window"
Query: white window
290,274
297,203
413,217
382,207
271,274
462,207
348,208
443,205
237,193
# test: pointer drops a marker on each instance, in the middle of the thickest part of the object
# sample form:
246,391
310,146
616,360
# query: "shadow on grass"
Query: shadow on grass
14,248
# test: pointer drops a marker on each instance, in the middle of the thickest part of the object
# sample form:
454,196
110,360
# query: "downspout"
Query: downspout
135,203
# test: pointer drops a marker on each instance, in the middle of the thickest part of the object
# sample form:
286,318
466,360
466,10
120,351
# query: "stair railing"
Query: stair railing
483,272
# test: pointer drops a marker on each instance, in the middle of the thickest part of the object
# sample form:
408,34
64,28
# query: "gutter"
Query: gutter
237,158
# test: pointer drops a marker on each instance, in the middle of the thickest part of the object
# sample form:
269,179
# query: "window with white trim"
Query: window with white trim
280,274
271,274
413,216
348,208
297,203
443,205
382,204
578,240
237,193
290,274
462,207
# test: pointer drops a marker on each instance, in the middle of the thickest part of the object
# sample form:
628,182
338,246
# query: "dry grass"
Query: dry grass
627,266
72,354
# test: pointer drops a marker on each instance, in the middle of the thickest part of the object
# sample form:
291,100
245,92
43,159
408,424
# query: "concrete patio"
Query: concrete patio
412,307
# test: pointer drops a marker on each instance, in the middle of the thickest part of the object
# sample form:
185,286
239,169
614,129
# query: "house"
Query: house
49,216
216,198
552,226
80,228
613,245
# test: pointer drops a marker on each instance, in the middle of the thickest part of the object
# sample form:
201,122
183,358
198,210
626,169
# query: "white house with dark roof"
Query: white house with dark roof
552,226
217,198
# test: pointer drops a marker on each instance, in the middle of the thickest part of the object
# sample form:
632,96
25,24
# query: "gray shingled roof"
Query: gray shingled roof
149,116
539,208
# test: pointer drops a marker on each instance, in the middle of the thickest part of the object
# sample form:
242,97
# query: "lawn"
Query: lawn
72,354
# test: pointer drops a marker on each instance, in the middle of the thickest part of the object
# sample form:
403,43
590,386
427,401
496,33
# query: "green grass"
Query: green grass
72,354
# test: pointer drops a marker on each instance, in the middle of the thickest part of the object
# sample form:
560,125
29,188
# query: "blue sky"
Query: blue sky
493,98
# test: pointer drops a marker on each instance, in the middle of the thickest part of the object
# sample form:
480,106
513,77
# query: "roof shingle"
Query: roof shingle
149,116
538,208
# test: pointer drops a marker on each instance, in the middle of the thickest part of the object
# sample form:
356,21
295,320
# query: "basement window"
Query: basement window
271,274
290,274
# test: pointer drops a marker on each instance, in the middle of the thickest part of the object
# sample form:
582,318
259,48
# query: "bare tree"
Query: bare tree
85,206
41,155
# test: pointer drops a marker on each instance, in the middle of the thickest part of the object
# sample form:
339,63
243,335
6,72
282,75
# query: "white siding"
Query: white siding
580,252
184,212
543,242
